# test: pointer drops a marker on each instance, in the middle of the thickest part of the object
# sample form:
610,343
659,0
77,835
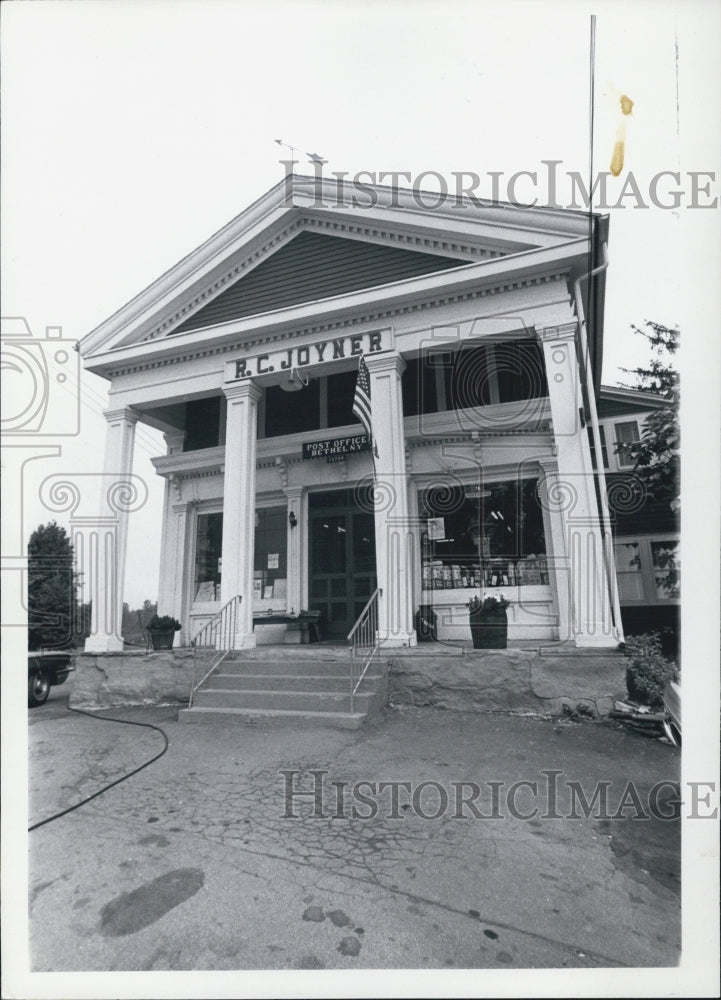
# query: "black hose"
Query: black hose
125,722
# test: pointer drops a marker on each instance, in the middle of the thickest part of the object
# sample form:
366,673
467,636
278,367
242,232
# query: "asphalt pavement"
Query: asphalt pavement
205,860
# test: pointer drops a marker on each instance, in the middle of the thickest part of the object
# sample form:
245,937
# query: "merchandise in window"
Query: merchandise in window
208,549
483,537
270,573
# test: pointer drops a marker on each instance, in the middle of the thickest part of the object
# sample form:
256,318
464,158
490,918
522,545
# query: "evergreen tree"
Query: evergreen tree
52,589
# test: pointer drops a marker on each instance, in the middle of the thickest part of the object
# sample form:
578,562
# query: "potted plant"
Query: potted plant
489,625
162,630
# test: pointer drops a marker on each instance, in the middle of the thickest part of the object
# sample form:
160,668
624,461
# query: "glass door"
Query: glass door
342,567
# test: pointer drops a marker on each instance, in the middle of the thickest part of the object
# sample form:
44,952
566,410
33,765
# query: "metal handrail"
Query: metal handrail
364,640
218,635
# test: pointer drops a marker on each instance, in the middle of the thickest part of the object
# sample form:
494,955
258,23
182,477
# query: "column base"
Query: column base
596,641
407,639
103,644
242,640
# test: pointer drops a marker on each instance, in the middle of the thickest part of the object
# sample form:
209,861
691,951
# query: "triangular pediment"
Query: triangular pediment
300,252
314,266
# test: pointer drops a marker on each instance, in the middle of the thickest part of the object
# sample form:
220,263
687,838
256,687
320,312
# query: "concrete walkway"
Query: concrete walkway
192,864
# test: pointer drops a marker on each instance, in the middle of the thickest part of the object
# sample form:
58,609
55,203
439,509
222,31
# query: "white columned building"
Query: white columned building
245,355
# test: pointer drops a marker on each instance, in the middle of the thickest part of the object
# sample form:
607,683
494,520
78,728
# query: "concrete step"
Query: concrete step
290,701
312,651
297,668
266,716
285,682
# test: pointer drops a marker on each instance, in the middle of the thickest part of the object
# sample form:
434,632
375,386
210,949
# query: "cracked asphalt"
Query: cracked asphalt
193,864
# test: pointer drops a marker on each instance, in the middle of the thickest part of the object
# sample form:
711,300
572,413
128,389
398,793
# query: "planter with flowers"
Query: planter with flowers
489,625
162,630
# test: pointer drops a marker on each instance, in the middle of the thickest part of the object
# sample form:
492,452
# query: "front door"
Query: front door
342,561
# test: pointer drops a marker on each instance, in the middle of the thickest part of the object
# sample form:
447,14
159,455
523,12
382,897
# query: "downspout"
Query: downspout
607,537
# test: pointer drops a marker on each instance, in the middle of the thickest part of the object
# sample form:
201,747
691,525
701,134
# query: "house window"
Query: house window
628,571
208,548
647,570
592,444
489,537
626,435
666,569
270,573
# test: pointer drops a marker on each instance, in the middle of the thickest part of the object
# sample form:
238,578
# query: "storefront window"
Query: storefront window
270,576
207,557
483,537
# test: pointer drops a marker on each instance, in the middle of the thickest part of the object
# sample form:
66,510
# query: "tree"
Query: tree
657,454
657,460
52,588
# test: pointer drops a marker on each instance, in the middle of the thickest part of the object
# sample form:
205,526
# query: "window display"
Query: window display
208,551
477,537
270,575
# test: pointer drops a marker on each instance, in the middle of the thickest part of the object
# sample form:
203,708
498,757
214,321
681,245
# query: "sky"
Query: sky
134,130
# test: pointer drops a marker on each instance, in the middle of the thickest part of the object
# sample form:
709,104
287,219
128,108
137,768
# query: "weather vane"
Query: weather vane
313,157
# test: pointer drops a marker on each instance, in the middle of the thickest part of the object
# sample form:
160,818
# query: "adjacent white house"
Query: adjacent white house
481,327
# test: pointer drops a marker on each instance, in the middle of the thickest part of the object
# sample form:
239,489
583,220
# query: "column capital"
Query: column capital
242,390
548,465
294,492
388,362
174,441
121,413
551,334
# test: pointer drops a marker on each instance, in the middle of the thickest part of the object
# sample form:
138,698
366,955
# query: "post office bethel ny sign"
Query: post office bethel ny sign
288,358
335,449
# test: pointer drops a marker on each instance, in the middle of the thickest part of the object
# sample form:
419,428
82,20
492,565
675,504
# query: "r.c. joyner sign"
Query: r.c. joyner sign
308,354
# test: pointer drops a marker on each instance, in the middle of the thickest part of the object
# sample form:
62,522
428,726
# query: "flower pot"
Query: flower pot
162,640
426,624
489,629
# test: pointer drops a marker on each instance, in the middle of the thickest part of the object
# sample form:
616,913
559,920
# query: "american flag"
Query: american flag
362,401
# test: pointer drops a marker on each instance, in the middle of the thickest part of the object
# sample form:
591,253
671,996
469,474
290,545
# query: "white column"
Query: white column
239,505
394,536
170,572
295,560
553,498
108,583
590,609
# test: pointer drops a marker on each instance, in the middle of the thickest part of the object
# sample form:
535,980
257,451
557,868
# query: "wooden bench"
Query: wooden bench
300,628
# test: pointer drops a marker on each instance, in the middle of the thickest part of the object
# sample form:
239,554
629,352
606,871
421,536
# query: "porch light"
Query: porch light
295,382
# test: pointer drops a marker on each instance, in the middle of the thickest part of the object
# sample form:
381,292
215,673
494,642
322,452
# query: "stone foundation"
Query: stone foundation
514,680
105,680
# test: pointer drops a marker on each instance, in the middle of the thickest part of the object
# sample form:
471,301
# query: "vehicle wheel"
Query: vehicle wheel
38,688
